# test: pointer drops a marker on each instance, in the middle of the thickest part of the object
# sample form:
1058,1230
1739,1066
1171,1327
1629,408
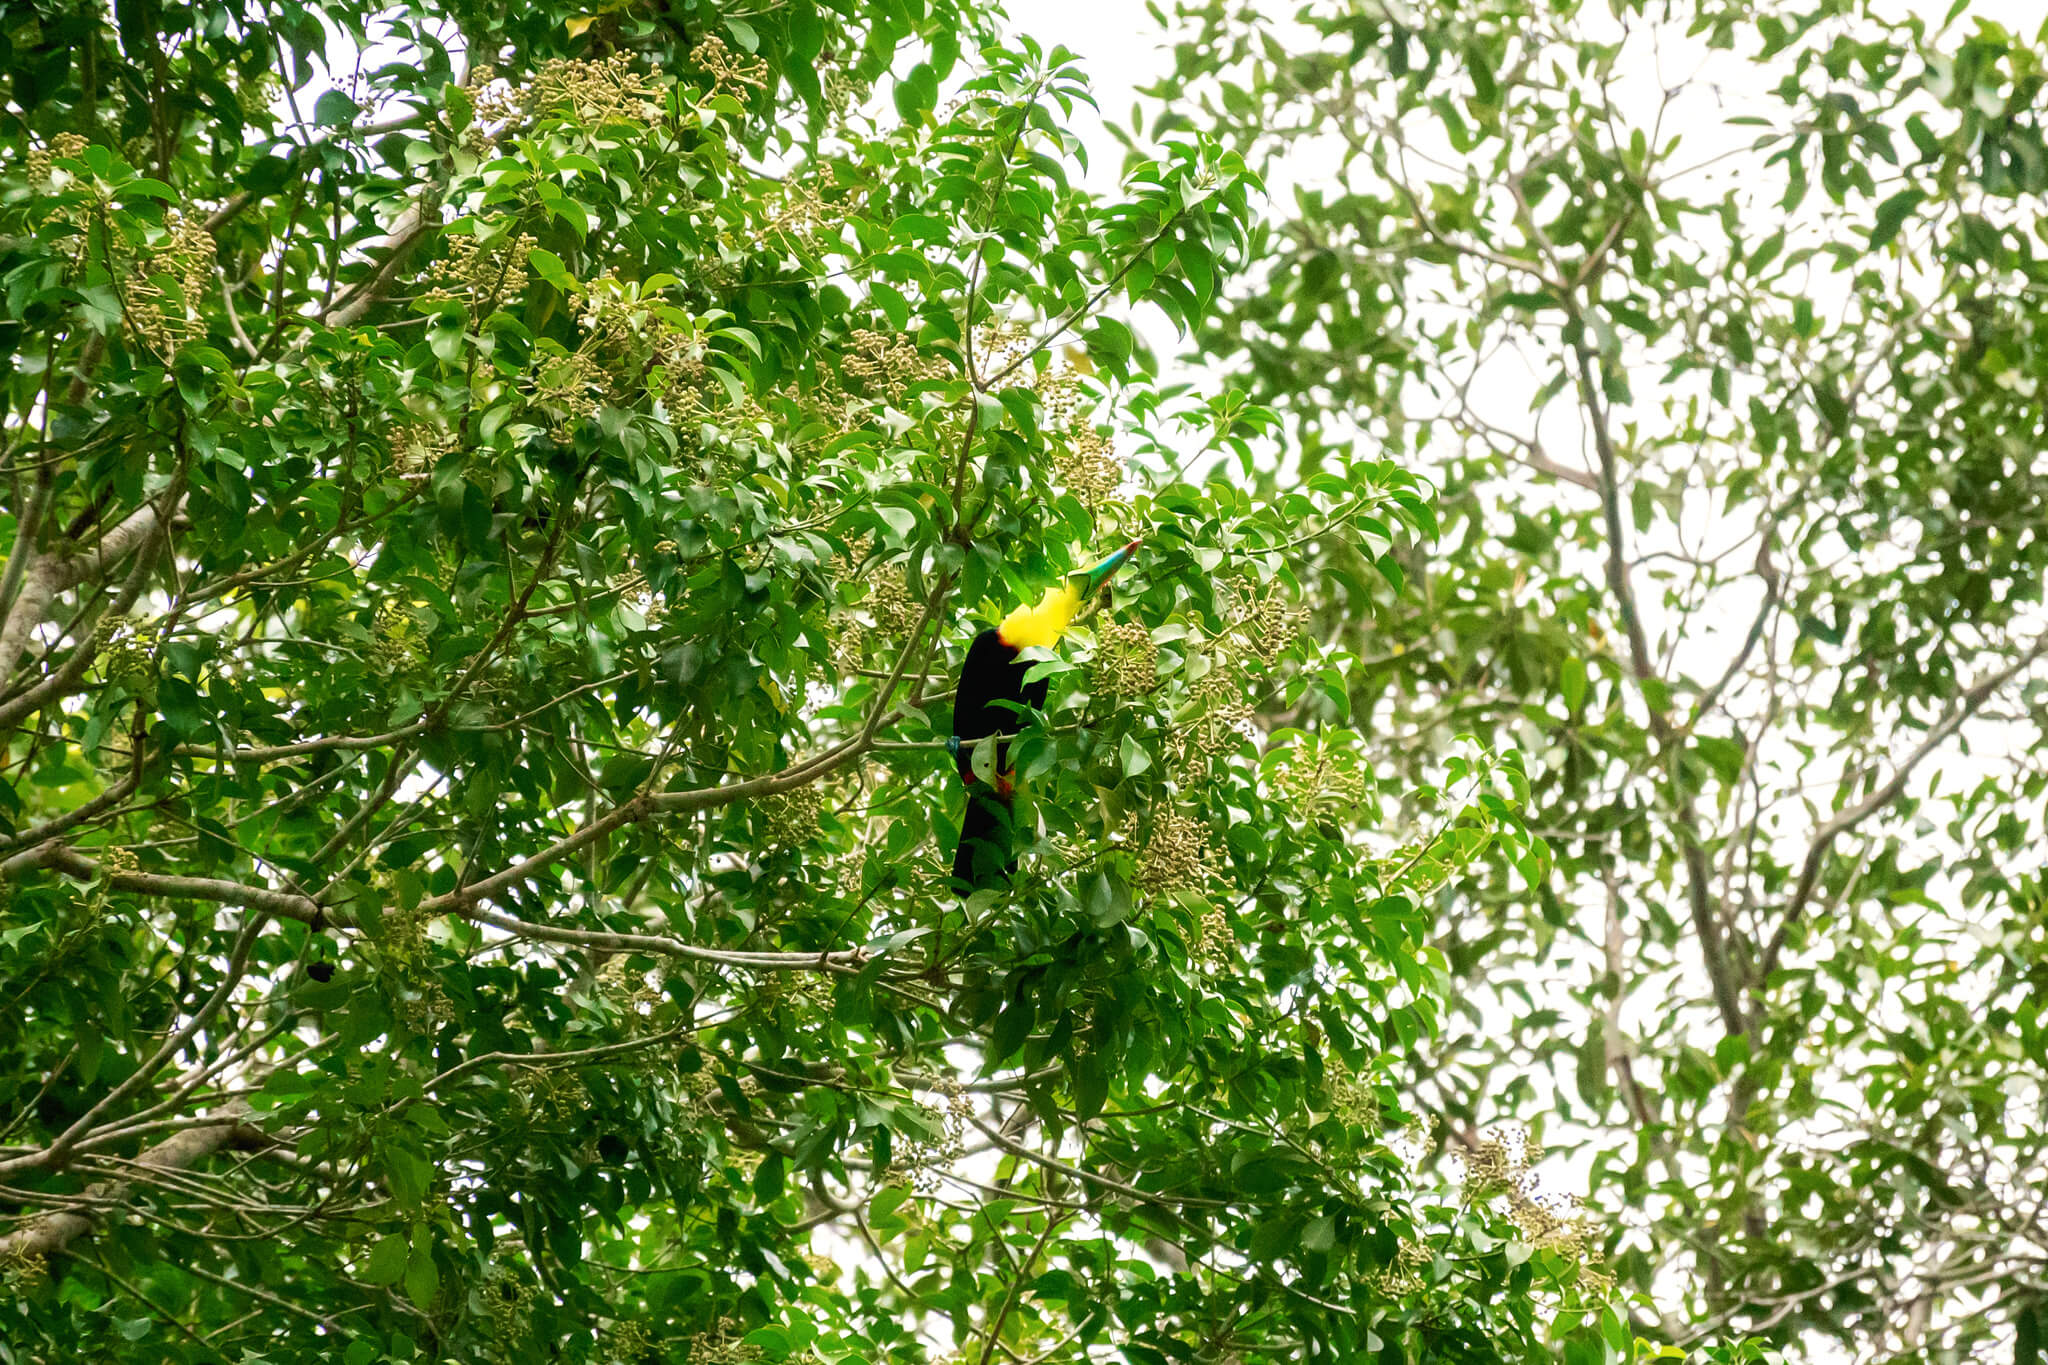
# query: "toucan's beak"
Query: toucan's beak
1091,581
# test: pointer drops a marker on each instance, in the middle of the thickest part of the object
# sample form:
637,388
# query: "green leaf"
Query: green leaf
1272,1238
551,268
446,343
768,1177
422,1278
1766,253
1111,340
1091,1085
183,709
1892,215
335,110
408,1175
624,772
386,1261
1012,1027
1572,682
916,93
1724,756
772,1341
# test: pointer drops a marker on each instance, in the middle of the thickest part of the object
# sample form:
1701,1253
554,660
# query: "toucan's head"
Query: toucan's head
1044,624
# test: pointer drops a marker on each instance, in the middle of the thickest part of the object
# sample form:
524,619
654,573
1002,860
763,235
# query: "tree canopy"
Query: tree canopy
495,499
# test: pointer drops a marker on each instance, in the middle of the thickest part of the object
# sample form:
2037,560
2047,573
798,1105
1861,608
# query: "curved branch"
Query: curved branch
467,901
412,228
214,889
77,815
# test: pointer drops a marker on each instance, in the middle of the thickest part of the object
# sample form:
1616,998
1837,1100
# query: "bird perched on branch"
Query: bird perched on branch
992,676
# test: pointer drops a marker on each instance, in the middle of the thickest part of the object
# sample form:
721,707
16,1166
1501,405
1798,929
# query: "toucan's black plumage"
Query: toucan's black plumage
992,674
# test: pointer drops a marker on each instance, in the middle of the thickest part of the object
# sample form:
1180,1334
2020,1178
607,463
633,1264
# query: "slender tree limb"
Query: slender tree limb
1068,321
1888,791
127,534
135,1292
234,205
27,609
581,1057
263,1295
77,815
274,753
1086,1177
1615,1047
648,804
993,1333
53,1233
1706,920
150,536
414,226
467,901
842,960
219,891
28,526
238,961
68,566
1773,581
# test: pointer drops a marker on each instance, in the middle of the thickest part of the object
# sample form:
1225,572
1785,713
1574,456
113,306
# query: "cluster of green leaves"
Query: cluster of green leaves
486,558
1720,328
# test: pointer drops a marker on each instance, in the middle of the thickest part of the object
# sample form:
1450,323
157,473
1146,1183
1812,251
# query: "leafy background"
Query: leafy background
1715,326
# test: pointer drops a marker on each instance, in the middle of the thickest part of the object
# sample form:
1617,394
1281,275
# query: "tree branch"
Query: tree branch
77,815
1705,920
54,1232
60,1149
1887,792
217,890
412,228
150,535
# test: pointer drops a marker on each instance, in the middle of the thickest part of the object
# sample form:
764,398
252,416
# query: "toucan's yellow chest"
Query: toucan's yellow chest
1043,625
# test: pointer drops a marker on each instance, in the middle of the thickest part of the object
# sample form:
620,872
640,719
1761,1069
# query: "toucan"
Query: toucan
992,675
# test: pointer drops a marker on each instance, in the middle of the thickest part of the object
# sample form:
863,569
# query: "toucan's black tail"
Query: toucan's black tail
984,857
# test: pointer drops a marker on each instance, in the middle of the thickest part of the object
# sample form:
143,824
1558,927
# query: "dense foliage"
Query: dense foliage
1721,328
495,498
